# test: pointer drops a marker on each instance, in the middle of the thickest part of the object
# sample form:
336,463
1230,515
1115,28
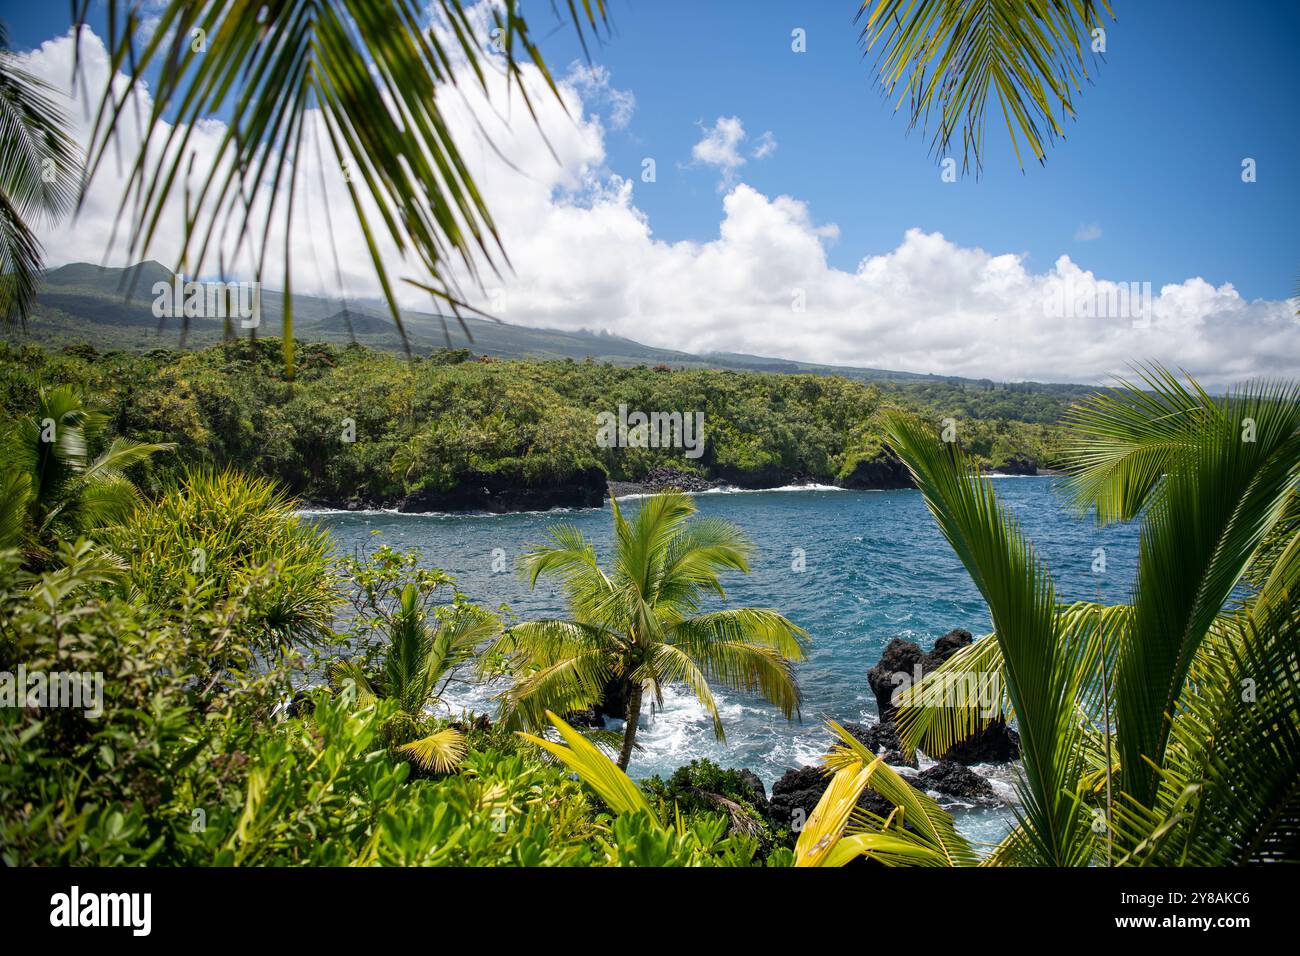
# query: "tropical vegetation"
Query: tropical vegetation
259,700
1161,732
640,626
441,421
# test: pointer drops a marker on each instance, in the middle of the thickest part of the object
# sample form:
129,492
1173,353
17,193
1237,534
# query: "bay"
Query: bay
874,566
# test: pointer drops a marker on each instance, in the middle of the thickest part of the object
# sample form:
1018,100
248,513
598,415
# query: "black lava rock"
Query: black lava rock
996,743
499,494
951,778
884,471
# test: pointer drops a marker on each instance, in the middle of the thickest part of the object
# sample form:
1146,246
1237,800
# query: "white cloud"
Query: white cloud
721,144
766,146
584,256
1087,232
592,83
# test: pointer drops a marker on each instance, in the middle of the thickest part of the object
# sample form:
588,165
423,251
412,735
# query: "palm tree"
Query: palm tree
1183,704
1161,732
641,623
948,56
419,664
356,84
39,167
54,489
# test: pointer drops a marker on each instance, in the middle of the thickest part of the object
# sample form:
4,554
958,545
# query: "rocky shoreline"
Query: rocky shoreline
590,488
949,778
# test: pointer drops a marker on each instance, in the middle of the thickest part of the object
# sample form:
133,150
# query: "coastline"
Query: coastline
524,500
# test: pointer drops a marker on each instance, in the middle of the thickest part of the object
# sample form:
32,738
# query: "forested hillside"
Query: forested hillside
362,427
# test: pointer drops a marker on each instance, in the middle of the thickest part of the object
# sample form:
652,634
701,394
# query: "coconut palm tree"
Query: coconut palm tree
357,85
39,168
641,623
1165,730
420,662
55,487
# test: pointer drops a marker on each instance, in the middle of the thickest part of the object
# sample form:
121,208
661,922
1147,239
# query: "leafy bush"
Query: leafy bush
702,786
119,788
216,534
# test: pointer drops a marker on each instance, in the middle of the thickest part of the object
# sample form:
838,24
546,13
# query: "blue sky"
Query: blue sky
1146,187
1188,88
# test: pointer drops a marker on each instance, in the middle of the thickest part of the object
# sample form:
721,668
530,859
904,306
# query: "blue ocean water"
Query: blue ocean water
875,567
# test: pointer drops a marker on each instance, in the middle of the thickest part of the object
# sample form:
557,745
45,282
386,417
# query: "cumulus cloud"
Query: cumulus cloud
592,83
721,145
1087,232
585,256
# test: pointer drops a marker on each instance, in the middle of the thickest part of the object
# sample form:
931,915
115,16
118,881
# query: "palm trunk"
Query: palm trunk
629,731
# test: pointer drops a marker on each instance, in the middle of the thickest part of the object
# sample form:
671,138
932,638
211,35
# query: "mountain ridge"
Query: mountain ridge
81,300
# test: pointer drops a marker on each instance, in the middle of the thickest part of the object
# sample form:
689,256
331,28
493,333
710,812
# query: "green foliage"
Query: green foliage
439,422
394,595
703,787
119,787
220,533
62,475
190,766
640,622
1195,681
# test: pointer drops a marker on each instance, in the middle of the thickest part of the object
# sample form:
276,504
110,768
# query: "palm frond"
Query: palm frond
1123,441
1041,669
919,821
121,454
439,752
596,770
825,825
362,82
1229,787
39,169
1220,500
947,56
15,500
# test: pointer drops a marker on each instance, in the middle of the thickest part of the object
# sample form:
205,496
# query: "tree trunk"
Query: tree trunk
629,731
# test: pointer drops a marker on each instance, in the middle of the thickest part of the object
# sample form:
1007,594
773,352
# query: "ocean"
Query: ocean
854,568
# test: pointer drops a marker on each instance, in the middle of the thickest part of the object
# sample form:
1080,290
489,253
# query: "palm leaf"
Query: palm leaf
39,168
358,80
1041,670
439,752
1219,502
924,825
947,56
596,770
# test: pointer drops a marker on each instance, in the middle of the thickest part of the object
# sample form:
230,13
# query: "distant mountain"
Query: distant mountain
112,308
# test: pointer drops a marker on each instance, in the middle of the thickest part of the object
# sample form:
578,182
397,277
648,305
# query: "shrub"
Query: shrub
216,534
